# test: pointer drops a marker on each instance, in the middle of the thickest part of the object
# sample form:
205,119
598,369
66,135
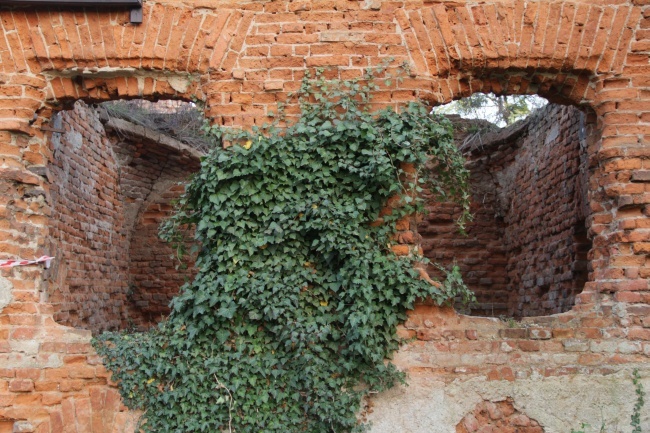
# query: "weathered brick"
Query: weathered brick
580,53
21,385
513,333
482,255
575,345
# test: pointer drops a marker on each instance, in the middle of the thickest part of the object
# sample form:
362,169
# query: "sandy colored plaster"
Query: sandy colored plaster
559,404
5,292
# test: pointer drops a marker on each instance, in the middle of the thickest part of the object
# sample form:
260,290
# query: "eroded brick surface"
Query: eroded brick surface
242,58
87,285
110,193
501,417
525,252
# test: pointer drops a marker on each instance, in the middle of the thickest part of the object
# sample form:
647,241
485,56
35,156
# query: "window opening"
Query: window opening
116,170
525,253
499,110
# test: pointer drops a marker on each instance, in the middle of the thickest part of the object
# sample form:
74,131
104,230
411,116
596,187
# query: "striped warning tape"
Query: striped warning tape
11,263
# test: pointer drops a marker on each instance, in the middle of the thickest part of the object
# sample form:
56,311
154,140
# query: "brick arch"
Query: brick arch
173,37
244,57
247,57
517,47
448,38
56,58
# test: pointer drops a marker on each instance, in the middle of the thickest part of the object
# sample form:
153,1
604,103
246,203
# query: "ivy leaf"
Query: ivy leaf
227,312
297,297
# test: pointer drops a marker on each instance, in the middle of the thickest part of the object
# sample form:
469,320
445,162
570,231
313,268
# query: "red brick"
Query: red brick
21,385
507,47
639,334
529,346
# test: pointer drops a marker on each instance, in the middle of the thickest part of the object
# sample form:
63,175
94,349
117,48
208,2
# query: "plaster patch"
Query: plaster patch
553,134
75,139
5,292
559,404
180,84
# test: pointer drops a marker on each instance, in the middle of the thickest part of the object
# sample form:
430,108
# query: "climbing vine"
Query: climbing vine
295,306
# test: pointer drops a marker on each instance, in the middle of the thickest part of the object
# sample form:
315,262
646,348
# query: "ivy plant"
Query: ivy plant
293,313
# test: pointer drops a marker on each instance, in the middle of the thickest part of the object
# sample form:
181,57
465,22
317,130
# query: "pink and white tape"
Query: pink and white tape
11,263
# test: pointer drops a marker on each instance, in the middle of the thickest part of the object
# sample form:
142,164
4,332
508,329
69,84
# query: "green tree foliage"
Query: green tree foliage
294,309
502,110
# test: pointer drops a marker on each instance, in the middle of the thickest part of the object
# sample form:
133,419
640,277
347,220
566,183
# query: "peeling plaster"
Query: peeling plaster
5,292
431,406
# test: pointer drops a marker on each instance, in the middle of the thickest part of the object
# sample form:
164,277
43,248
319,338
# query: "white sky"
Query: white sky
489,112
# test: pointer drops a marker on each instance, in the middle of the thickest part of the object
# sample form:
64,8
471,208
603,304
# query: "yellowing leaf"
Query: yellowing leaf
323,303
150,380
314,206
248,144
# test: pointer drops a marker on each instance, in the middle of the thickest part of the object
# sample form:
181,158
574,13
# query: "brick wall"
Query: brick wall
525,253
497,417
156,273
87,285
544,190
110,193
241,58
150,178
481,254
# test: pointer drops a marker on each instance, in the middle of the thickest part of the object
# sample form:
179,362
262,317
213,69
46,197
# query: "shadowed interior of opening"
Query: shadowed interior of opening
525,253
114,176
115,172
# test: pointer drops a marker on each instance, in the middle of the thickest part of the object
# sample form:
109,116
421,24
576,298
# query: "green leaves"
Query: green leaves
297,298
639,403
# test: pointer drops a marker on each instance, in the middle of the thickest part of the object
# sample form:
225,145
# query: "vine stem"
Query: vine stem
230,402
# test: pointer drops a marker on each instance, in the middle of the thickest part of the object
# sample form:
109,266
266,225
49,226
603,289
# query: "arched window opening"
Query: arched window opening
116,169
526,251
